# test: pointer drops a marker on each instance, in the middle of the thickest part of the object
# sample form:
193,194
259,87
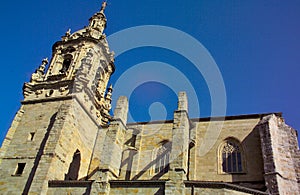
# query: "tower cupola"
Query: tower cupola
98,20
97,24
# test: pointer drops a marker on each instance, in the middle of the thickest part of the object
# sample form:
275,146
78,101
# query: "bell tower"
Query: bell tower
66,102
81,62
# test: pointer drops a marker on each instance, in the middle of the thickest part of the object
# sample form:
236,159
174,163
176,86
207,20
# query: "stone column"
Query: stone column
180,146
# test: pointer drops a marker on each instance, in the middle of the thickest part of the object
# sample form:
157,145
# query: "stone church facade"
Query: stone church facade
63,139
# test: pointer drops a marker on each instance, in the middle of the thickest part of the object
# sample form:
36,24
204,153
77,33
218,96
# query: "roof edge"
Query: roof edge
213,118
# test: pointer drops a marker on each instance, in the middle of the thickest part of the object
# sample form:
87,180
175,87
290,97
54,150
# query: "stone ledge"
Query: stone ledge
18,157
219,185
137,183
50,99
62,183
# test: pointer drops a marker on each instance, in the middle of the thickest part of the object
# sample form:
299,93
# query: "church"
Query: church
64,139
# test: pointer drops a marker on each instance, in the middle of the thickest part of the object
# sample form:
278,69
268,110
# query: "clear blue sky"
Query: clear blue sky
255,44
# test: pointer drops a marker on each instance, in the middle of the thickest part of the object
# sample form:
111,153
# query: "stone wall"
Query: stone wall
10,133
208,165
46,138
281,155
205,187
198,191
36,119
137,187
75,135
141,143
137,191
69,187
129,153
202,167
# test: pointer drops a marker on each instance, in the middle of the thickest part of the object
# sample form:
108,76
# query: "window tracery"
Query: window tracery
162,158
231,157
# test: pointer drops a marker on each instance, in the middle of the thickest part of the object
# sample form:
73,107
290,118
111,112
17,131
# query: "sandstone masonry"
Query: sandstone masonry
63,139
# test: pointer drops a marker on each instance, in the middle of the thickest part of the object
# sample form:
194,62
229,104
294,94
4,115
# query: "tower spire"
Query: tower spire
95,29
98,22
104,4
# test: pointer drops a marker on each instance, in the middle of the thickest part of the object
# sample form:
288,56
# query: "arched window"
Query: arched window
66,63
162,158
231,157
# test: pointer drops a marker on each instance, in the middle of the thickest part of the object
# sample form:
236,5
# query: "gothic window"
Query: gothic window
74,167
162,159
231,157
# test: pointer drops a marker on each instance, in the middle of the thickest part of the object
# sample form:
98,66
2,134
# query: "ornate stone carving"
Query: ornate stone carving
49,93
69,49
63,89
66,36
39,74
86,63
27,90
106,106
79,67
99,92
38,92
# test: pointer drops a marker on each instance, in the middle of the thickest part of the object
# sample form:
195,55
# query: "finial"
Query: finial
109,93
104,4
39,74
68,33
110,87
45,61
43,65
